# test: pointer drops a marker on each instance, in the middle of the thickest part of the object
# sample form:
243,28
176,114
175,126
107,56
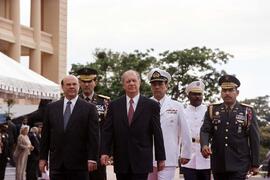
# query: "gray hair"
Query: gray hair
130,72
34,130
24,127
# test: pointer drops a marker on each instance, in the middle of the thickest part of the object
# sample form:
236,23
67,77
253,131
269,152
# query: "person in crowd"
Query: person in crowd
232,129
12,136
39,126
32,170
198,168
23,149
131,127
174,126
69,135
4,148
24,121
88,81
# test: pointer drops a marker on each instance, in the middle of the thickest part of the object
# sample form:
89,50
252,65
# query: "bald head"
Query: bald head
70,86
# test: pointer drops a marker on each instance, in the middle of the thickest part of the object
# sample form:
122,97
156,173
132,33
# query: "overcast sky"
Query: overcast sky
238,27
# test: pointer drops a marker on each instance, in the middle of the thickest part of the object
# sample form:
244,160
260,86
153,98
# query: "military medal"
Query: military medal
239,129
216,114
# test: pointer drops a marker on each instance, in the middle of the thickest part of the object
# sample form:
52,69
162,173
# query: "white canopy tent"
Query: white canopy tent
17,80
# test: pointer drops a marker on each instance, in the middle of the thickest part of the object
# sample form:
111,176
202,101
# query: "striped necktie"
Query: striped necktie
130,111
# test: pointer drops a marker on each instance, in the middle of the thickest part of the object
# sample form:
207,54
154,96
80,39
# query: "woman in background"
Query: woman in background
23,149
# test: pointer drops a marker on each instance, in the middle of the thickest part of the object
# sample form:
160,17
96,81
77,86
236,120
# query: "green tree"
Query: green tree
110,66
192,64
184,66
10,103
261,107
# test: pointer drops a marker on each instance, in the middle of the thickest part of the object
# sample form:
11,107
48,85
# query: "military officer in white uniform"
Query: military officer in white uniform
198,168
174,126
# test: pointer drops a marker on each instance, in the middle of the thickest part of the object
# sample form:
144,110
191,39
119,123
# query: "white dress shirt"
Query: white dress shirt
73,102
135,102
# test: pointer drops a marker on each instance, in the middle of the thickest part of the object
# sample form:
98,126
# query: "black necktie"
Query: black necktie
67,114
87,99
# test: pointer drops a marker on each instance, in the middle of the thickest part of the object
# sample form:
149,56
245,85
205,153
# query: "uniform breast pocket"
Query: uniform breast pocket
171,120
240,126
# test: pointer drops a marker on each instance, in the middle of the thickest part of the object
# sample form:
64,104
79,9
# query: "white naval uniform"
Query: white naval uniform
194,117
174,128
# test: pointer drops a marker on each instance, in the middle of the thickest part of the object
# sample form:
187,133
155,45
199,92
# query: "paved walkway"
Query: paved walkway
10,174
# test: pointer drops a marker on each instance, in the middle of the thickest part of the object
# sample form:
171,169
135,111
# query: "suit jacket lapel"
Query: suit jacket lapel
60,114
138,109
123,107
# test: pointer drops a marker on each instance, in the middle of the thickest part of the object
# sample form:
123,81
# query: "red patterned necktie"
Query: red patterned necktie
130,111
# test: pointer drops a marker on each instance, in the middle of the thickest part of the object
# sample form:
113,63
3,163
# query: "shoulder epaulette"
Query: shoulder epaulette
104,97
210,109
246,105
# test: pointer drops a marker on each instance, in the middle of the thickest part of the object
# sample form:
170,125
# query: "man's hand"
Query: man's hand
184,161
42,165
92,166
104,160
206,151
253,171
160,165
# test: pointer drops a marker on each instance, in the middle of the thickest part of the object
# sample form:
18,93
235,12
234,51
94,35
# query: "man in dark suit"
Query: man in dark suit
70,134
232,129
133,121
32,172
12,136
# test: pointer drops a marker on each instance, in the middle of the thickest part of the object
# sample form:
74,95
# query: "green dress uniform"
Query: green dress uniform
234,137
101,103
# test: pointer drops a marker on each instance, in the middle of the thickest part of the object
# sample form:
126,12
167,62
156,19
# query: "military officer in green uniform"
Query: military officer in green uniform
232,130
88,81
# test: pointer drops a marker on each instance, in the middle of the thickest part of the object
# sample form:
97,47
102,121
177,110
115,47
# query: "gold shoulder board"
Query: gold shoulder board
104,97
211,109
246,105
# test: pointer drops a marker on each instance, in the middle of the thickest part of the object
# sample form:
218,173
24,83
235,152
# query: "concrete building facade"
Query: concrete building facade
45,41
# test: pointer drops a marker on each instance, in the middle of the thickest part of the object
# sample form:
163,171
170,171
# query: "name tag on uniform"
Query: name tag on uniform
171,111
100,108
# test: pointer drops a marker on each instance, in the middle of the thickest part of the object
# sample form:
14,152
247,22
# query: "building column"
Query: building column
35,54
15,48
54,21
